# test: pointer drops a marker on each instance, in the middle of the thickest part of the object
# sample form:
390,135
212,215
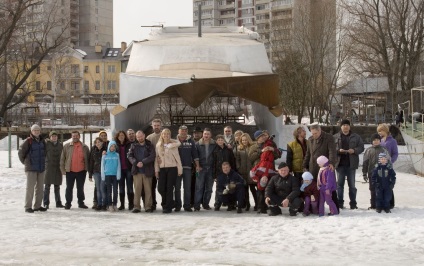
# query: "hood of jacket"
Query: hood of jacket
112,142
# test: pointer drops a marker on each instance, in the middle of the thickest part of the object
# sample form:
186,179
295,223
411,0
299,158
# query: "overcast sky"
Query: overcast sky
130,15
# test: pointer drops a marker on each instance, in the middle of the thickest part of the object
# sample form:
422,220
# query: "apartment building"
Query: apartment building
272,19
79,75
84,22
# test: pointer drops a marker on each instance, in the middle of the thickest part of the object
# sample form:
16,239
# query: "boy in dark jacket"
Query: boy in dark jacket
383,179
370,160
230,189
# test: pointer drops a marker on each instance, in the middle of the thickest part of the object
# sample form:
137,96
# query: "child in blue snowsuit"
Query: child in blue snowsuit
384,179
111,174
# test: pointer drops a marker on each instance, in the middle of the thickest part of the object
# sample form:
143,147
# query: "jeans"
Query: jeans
71,177
238,196
204,184
126,177
344,172
186,179
46,199
111,186
166,184
99,184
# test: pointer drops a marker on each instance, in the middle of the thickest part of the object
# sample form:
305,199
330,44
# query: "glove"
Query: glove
365,177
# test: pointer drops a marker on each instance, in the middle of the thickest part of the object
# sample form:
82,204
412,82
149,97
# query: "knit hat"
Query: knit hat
35,127
259,133
282,165
382,155
345,122
307,176
52,133
375,136
322,160
102,131
197,129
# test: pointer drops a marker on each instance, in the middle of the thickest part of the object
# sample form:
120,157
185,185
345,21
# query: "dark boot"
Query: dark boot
59,205
130,201
247,206
122,199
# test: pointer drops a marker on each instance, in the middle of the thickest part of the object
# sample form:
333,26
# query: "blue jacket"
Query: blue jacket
233,177
32,154
383,176
111,165
188,152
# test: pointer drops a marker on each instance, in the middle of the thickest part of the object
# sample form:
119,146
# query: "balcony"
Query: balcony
258,2
225,7
281,7
262,11
230,15
282,17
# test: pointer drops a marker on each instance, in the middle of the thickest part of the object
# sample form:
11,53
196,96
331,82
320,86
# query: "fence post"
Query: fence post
9,137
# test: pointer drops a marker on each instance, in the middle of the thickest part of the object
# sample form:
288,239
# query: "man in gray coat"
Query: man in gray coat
32,153
320,143
348,146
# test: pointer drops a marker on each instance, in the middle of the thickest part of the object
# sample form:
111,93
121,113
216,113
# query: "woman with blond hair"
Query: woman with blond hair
244,165
388,142
167,167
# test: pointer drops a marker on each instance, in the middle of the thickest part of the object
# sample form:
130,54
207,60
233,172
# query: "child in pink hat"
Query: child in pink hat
326,184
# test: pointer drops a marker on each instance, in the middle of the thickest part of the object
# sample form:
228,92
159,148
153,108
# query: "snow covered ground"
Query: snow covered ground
87,237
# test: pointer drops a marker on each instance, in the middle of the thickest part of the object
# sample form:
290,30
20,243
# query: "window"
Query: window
97,84
75,86
38,86
97,69
75,69
86,86
38,70
49,68
111,85
62,85
49,85
246,2
111,68
85,69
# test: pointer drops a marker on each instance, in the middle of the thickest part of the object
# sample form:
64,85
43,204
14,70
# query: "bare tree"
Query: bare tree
388,37
29,31
309,54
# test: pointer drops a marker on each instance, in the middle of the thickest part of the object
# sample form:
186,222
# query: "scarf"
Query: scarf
324,181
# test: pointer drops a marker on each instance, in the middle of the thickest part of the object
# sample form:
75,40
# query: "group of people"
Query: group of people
133,166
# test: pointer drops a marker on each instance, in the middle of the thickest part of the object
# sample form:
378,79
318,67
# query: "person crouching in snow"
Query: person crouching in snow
326,184
283,190
383,179
230,188
310,194
111,174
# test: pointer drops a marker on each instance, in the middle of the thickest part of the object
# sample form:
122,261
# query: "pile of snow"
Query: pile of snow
87,237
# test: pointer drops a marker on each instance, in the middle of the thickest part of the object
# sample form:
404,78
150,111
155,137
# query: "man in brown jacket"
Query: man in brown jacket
74,164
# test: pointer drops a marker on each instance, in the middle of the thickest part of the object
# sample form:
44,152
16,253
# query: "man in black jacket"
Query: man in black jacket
230,188
283,190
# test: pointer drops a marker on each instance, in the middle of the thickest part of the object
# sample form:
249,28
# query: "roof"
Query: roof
89,53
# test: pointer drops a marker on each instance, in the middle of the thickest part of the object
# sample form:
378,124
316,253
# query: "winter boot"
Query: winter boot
122,199
59,205
130,201
247,206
